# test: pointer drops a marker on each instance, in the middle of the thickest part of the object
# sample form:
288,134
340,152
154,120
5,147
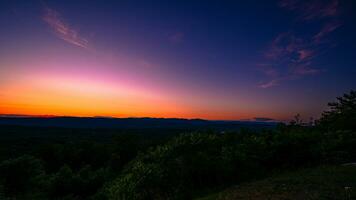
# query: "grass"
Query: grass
322,183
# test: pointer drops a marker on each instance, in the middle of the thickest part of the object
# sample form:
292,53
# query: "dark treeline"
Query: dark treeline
140,166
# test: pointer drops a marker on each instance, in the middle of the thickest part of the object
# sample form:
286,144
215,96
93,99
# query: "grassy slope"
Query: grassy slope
319,184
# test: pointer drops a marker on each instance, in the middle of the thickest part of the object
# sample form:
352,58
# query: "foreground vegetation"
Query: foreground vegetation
332,182
139,167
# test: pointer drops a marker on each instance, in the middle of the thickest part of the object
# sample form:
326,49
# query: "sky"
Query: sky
226,60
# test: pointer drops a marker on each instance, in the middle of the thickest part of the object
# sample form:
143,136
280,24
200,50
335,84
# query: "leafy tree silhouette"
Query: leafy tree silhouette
341,114
20,175
297,121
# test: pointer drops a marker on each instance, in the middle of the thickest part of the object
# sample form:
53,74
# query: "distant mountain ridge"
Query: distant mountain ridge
128,123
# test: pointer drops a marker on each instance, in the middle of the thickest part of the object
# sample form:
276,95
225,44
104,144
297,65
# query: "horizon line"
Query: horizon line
255,119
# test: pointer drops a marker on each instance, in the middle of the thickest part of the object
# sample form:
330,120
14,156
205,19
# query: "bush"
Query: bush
21,176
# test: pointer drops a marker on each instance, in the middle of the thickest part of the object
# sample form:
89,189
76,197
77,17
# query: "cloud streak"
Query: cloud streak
328,28
269,84
62,30
312,9
290,56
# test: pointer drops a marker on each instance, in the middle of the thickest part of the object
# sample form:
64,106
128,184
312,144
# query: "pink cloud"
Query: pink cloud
271,72
290,56
276,50
268,69
62,30
269,84
305,54
284,46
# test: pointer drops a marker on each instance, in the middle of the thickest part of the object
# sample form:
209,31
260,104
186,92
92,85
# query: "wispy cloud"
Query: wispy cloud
326,29
312,9
305,54
290,56
305,69
269,84
62,30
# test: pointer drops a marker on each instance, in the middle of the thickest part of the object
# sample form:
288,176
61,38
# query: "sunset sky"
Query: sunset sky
189,59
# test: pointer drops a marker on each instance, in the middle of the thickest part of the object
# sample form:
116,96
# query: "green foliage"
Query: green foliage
163,172
76,155
193,162
81,184
125,147
341,114
321,183
137,167
21,175
68,168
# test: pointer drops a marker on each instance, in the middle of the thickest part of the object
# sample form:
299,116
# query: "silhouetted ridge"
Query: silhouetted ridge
104,122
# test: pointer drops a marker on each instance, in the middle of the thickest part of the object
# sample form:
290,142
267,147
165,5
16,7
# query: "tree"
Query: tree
297,121
21,175
187,163
341,114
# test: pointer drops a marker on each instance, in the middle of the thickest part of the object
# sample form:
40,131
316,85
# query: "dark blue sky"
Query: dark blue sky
208,59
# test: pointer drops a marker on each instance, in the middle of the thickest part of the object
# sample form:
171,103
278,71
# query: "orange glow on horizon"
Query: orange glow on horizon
55,95
79,98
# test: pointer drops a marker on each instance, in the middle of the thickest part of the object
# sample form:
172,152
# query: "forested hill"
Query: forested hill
127,123
290,161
